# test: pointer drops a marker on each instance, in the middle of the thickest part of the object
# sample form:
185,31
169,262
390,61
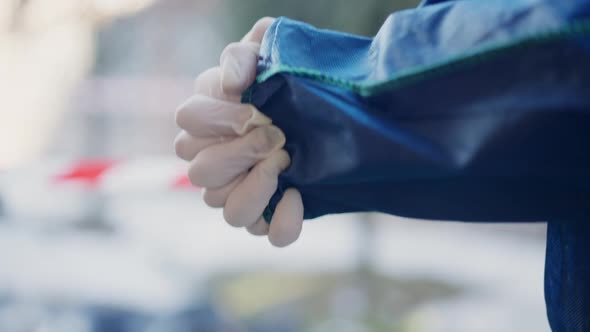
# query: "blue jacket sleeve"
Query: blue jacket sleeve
460,110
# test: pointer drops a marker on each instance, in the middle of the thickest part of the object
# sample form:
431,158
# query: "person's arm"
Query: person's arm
464,110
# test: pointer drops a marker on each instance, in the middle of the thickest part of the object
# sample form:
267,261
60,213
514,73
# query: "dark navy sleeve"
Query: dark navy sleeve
461,110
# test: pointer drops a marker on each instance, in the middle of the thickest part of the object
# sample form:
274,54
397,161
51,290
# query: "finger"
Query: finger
287,220
259,228
216,197
258,30
218,164
208,83
187,146
202,116
238,67
248,200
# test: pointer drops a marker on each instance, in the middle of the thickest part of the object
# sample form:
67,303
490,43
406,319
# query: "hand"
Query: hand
235,152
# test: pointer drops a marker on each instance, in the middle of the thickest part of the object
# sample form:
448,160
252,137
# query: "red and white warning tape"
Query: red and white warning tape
109,175
63,190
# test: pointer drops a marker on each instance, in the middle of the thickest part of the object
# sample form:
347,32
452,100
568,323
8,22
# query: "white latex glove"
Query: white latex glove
235,152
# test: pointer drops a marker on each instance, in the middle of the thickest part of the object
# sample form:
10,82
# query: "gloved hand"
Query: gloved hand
235,152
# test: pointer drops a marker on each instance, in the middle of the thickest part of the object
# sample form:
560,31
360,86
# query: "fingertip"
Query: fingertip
198,171
181,114
189,114
233,219
180,146
287,221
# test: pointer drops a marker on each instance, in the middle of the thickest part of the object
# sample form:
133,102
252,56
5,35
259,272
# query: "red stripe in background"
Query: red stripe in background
88,172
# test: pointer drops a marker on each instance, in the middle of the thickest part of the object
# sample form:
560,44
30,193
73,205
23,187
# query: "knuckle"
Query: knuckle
230,48
205,76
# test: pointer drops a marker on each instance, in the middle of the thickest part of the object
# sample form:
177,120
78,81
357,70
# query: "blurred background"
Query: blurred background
100,230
